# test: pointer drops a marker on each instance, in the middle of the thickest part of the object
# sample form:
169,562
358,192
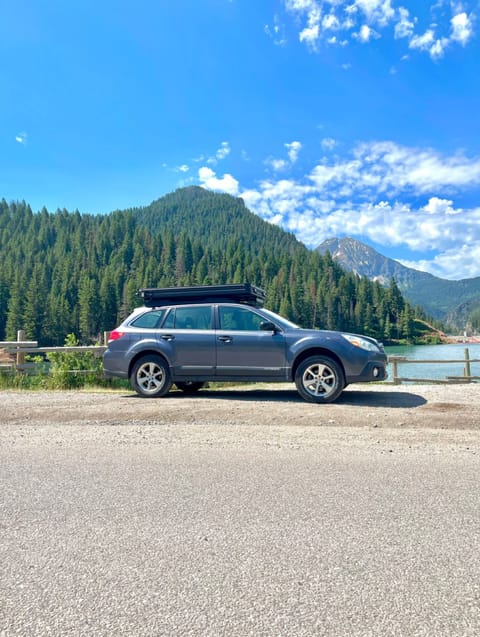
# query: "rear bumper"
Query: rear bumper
114,366
114,374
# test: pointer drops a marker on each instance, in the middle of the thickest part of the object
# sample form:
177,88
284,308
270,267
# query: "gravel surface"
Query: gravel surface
433,406
241,512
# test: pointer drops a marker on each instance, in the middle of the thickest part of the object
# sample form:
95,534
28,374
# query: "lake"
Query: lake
454,351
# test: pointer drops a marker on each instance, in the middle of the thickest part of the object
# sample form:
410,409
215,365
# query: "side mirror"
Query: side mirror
268,326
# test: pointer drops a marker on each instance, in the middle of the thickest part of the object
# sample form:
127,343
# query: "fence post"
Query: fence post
467,371
20,354
395,372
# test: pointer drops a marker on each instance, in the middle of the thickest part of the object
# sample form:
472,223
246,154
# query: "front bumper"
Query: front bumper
372,372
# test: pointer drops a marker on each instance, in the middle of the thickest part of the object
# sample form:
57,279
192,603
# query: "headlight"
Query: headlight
363,343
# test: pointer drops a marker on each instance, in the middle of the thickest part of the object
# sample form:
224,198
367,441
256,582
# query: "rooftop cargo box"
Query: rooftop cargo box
245,293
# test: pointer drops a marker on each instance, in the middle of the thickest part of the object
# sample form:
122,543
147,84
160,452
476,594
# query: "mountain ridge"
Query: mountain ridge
444,299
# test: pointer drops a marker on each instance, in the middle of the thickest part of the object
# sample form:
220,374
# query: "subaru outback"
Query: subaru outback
189,336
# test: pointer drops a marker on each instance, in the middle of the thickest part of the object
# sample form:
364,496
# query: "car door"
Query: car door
188,340
244,349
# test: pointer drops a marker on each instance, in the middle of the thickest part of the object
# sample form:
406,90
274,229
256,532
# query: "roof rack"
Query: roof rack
245,293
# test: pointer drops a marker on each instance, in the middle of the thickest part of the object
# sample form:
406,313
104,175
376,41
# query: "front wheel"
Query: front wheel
319,379
150,377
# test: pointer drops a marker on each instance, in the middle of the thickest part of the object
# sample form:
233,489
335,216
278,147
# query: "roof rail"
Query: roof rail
245,293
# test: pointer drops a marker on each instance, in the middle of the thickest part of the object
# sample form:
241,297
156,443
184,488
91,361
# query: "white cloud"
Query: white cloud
221,153
404,27
21,138
426,42
314,220
460,262
276,32
310,34
312,9
277,165
209,179
365,33
330,21
461,32
423,42
375,11
183,168
328,143
462,28
437,206
294,149
364,20
392,168
393,195
386,167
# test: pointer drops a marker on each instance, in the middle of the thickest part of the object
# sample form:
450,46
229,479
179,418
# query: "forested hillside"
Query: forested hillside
457,302
66,272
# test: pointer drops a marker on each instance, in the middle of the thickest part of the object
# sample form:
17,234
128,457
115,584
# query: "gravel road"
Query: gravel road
241,512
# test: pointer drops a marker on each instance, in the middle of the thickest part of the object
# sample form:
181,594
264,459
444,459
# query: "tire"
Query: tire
190,386
319,379
150,377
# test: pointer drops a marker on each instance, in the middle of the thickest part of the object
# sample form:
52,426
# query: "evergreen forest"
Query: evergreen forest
69,273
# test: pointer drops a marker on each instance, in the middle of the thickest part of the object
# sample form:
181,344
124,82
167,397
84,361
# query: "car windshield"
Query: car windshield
283,322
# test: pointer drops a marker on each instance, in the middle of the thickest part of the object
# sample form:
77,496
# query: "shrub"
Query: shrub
70,370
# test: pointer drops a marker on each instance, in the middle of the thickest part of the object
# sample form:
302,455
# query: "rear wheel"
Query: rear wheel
319,379
190,386
150,377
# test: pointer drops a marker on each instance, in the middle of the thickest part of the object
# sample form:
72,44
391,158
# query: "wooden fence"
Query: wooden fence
465,377
19,348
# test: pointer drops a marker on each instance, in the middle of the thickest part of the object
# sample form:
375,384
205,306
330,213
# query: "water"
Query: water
438,371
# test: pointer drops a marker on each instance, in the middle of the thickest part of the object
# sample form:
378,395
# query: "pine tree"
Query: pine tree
35,304
4,298
108,303
88,303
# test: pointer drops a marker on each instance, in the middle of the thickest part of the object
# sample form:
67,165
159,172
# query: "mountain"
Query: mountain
64,272
446,300
207,215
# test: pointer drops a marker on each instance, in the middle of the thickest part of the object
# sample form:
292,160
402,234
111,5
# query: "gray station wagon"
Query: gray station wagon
192,335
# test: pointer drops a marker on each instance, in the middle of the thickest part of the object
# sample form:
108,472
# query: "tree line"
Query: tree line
66,272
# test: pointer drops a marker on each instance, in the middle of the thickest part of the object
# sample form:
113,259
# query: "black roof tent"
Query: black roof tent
233,293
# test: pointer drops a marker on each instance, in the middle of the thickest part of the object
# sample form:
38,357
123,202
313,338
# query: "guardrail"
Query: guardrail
465,377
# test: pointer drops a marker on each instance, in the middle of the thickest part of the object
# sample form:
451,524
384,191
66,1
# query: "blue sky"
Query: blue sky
330,118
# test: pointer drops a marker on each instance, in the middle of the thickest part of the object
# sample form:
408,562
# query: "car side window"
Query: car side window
239,318
149,320
191,318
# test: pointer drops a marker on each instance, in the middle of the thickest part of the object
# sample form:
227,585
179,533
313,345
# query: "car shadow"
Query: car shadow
391,399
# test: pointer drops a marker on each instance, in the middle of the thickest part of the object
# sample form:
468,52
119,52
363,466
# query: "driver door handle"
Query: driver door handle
225,339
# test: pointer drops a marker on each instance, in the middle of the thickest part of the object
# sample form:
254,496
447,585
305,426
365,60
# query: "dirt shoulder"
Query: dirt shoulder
378,419
385,406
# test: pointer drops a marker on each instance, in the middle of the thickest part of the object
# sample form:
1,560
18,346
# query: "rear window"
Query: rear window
190,318
149,320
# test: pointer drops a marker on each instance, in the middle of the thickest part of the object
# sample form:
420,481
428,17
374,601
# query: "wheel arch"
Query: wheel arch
145,352
315,351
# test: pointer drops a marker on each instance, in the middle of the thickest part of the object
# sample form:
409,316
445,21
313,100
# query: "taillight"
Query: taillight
115,335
